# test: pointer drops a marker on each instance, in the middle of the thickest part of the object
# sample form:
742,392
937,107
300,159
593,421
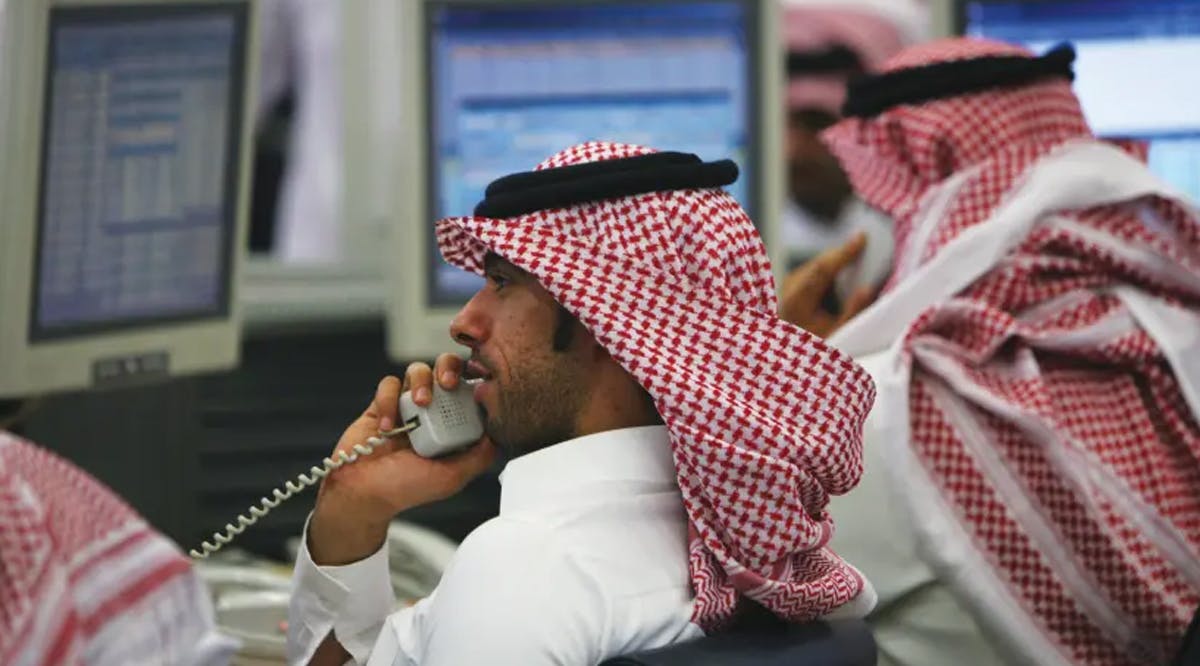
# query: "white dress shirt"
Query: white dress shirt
587,560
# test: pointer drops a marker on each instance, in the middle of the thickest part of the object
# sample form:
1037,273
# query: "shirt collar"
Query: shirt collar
626,454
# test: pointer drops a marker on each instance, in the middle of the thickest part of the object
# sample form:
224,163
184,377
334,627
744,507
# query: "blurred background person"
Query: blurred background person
300,102
828,43
1032,484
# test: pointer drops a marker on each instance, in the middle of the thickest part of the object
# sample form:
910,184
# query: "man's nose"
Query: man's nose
470,326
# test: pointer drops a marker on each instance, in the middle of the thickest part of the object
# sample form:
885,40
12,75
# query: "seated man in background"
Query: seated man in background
85,581
828,43
671,442
1032,484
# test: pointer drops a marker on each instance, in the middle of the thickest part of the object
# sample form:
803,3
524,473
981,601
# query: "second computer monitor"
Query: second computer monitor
505,85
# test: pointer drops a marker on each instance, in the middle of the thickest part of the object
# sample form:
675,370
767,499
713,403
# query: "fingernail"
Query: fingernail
386,423
447,378
422,394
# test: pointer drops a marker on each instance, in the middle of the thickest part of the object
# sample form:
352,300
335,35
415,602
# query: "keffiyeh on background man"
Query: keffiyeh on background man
1035,353
84,579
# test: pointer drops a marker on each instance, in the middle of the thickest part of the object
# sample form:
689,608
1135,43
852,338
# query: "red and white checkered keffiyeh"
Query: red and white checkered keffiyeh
83,579
1050,421
678,288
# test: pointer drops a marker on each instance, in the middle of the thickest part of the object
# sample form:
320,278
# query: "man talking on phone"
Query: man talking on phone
671,442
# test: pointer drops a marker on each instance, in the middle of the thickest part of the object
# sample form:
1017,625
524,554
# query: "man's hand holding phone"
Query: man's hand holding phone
356,503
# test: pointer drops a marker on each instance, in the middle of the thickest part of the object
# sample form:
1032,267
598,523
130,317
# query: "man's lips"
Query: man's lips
477,370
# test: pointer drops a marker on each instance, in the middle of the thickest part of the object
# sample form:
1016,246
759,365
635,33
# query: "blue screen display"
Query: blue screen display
139,166
1135,71
512,85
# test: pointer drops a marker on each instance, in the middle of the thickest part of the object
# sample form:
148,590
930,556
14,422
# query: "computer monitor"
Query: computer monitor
125,133
496,87
1135,72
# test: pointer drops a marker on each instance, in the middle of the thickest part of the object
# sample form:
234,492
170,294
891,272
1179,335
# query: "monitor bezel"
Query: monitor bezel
958,16
72,15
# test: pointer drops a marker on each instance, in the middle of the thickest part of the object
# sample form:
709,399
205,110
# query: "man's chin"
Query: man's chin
507,444
495,433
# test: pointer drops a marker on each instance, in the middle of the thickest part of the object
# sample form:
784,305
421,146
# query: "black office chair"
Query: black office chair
1189,652
841,643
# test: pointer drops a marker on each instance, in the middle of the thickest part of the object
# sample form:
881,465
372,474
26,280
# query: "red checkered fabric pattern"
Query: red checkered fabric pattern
678,288
894,159
1049,420
74,557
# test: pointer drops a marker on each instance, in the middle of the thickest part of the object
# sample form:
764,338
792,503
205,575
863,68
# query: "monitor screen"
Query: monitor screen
513,84
140,148
1135,72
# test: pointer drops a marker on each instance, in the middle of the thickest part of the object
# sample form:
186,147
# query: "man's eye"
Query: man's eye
498,281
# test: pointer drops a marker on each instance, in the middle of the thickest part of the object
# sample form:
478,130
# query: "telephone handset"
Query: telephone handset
451,423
